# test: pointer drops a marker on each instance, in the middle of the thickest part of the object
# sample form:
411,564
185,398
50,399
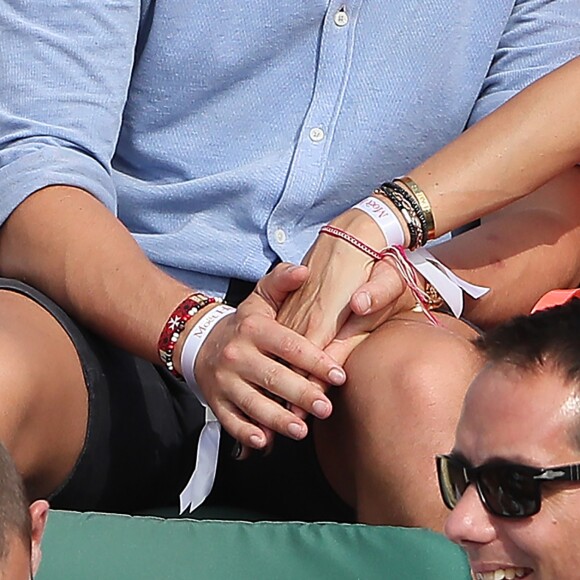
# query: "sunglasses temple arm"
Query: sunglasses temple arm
567,472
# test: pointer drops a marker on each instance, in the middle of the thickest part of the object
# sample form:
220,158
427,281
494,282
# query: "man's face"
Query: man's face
524,418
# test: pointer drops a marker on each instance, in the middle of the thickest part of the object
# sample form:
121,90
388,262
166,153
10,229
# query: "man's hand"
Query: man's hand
243,367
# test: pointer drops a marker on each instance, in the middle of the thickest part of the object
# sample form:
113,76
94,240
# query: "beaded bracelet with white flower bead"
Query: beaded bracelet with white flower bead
175,325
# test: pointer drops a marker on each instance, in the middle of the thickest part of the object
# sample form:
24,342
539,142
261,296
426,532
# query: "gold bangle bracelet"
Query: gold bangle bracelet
423,202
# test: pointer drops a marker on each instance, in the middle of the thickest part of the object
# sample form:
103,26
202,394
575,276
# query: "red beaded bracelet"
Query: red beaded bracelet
175,325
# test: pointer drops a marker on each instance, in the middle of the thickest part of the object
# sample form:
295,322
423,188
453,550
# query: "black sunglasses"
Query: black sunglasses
506,489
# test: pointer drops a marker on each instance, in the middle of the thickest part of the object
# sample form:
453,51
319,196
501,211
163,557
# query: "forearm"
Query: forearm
67,244
525,143
521,252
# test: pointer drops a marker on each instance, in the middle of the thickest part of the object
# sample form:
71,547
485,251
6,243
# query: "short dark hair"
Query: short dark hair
549,337
14,514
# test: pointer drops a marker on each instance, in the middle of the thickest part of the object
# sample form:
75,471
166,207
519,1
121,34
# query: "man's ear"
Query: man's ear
38,515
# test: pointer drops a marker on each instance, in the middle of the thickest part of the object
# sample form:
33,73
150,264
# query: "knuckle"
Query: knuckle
320,364
231,354
238,429
307,395
277,419
303,400
219,383
289,346
280,424
271,378
248,403
248,326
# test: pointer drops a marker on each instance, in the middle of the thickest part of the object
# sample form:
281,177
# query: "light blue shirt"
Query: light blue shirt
224,134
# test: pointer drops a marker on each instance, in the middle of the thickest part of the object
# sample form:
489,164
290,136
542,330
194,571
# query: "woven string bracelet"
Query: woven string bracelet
352,240
409,275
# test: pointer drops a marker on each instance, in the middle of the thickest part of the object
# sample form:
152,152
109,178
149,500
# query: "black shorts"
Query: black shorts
141,441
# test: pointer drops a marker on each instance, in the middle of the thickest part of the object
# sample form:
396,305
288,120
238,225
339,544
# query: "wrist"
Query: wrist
198,332
385,218
361,226
413,207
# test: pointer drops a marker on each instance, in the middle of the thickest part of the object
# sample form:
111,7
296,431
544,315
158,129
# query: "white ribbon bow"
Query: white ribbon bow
449,286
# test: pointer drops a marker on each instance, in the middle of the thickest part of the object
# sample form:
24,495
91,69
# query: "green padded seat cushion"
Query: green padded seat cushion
91,546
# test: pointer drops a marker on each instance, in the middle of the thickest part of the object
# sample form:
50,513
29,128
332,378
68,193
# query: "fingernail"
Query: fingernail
336,376
363,301
295,430
321,409
236,450
256,441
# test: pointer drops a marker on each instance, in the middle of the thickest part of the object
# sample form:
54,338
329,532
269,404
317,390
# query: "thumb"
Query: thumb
281,281
384,286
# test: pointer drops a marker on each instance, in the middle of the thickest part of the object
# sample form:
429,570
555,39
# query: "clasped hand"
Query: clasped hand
347,295
244,368
266,367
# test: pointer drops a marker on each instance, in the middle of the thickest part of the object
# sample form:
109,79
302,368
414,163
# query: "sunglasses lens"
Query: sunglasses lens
509,491
452,480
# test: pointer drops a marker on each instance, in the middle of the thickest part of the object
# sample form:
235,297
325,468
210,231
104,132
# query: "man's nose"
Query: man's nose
469,521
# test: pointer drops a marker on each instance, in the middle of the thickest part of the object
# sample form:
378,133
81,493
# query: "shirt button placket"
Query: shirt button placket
314,143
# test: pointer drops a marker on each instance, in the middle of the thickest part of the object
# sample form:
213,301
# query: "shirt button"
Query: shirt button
316,134
280,235
341,17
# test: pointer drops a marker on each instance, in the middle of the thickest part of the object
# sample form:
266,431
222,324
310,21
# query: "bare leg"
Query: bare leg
398,409
43,398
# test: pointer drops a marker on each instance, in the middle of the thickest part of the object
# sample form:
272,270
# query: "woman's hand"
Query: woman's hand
245,367
383,301
344,280
319,308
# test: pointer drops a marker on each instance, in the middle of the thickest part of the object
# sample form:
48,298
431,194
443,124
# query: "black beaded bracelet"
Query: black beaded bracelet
411,221
398,197
410,198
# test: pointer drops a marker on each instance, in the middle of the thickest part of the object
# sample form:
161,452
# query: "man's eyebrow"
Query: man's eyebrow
496,459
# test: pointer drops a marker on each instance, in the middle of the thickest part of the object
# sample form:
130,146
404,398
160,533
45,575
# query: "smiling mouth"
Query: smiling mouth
503,574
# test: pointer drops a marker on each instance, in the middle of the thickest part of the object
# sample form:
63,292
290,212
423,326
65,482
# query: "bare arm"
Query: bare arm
67,244
512,152
521,252
515,150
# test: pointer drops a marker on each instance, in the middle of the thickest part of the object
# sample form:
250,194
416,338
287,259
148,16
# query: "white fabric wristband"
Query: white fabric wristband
450,286
385,218
195,339
201,482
